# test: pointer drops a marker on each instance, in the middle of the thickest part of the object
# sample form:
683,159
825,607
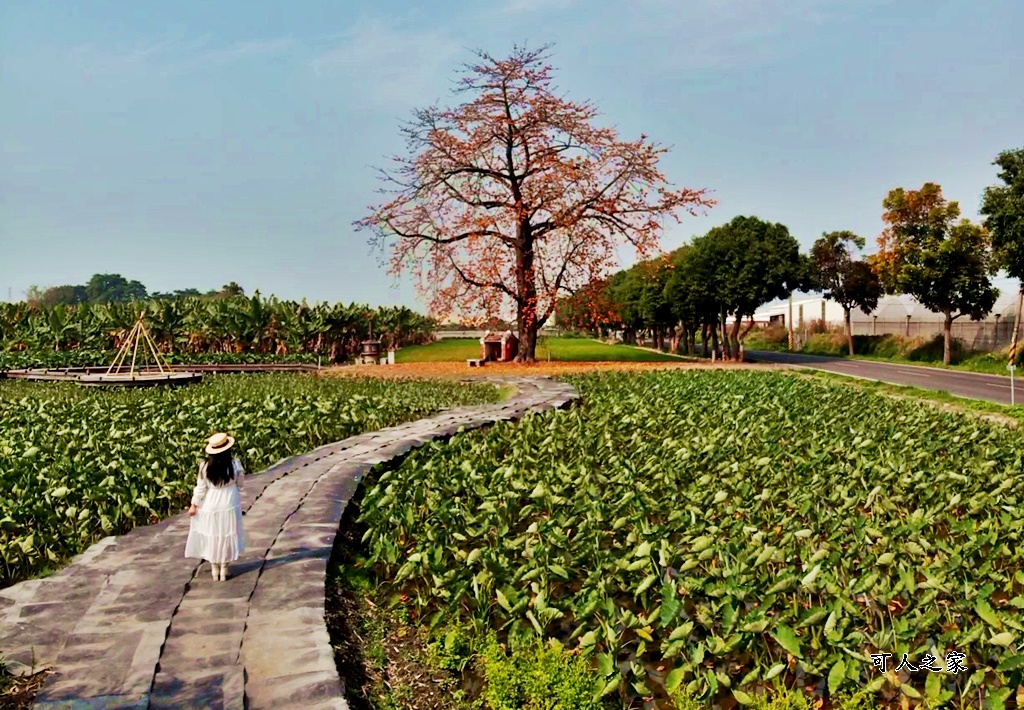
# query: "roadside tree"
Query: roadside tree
850,282
745,264
944,262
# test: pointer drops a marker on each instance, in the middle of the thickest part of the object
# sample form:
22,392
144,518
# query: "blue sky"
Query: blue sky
192,143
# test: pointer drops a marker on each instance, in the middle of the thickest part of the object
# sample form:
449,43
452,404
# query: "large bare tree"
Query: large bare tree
514,197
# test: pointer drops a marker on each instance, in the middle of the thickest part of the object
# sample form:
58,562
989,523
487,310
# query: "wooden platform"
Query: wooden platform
75,373
140,379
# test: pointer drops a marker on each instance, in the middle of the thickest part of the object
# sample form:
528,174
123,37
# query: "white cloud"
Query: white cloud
518,7
388,64
249,48
172,54
705,34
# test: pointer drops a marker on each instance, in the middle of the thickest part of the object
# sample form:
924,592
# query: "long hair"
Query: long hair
220,468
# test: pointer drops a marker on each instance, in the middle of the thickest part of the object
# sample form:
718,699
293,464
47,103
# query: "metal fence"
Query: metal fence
978,336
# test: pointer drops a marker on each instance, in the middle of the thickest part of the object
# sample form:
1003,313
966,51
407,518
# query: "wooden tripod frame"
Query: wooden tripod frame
139,333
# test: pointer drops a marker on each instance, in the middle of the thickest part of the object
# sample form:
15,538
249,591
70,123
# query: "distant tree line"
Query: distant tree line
235,324
115,288
708,288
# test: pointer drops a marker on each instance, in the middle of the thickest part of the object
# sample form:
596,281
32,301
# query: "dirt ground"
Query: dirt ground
460,370
19,693
383,659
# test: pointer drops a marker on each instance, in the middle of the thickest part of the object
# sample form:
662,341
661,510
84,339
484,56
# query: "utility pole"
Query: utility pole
1013,348
789,321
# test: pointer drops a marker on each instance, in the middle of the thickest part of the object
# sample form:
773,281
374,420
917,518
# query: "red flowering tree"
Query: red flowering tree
589,309
943,261
513,198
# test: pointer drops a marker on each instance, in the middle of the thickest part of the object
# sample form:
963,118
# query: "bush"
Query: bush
826,344
783,699
537,677
878,345
833,343
819,326
773,337
452,652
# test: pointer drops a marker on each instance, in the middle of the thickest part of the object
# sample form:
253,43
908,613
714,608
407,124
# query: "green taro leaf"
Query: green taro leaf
502,600
1005,639
788,639
674,680
605,664
646,584
836,676
987,614
742,698
610,687
933,687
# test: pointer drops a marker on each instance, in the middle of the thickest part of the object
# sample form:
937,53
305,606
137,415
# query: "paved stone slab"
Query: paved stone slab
107,702
131,624
206,689
304,690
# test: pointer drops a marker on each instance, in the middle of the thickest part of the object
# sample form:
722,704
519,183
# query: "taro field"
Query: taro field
79,464
720,536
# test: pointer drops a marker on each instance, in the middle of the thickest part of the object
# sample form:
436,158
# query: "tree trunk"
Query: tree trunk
527,344
734,338
704,338
849,329
743,337
947,339
714,340
691,341
526,286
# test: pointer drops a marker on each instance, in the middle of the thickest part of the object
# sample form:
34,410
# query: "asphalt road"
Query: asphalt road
993,388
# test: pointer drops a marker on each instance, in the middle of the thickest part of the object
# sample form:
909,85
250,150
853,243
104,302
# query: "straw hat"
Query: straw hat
219,443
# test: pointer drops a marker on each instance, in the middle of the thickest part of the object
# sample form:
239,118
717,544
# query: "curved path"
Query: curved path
131,624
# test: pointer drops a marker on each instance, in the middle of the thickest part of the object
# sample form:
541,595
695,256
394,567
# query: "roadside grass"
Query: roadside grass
897,349
554,349
983,363
1011,416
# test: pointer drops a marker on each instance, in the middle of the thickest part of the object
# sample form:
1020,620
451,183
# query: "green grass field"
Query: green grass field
558,349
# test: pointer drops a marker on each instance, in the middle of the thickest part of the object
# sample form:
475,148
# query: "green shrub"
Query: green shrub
453,651
833,343
537,677
825,344
878,345
784,699
774,337
930,350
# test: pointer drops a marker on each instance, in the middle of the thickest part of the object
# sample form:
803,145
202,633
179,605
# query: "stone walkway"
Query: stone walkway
130,623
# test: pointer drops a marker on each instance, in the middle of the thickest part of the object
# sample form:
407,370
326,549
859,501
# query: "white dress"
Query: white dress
215,531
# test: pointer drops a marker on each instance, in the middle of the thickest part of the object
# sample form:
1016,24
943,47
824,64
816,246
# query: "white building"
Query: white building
805,308
901,315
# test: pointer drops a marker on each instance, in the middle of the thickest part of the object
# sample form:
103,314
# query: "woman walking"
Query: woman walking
215,528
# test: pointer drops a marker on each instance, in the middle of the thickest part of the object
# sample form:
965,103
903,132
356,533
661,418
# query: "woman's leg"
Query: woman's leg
215,571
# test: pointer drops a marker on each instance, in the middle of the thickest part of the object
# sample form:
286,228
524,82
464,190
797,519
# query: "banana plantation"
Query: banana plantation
231,329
